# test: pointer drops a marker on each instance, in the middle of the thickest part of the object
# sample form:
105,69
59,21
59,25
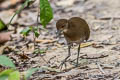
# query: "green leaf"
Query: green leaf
5,74
36,33
2,25
46,13
29,72
5,61
35,30
14,76
40,51
31,28
26,31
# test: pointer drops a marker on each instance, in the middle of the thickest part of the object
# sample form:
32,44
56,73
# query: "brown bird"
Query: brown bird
75,30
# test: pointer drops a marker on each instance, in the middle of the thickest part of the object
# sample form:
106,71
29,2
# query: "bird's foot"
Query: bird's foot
73,62
76,65
63,63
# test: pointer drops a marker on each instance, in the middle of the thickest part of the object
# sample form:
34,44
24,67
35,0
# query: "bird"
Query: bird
75,30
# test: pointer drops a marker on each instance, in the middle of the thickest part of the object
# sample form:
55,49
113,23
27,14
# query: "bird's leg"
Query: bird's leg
78,55
69,54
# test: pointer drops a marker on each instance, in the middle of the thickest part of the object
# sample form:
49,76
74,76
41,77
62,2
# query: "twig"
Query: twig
44,60
116,76
79,57
38,17
51,59
111,21
34,38
100,68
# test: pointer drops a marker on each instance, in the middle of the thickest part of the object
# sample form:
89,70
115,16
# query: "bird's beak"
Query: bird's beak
58,33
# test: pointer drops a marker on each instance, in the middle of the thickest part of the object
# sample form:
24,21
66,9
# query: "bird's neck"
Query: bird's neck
67,32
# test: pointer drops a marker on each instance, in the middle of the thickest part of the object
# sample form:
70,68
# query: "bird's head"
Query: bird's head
61,26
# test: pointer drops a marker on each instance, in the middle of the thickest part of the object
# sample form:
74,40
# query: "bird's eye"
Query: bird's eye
62,26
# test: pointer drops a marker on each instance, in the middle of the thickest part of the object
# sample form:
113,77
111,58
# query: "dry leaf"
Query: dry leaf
23,56
65,3
2,48
13,1
97,45
45,41
94,56
86,44
108,17
58,45
107,66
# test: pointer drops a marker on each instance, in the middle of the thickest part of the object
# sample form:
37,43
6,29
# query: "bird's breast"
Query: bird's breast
74,38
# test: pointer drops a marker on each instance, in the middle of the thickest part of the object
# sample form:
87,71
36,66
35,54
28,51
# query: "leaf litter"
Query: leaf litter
103,45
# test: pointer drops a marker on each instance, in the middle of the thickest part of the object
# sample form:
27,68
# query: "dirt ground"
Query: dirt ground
99,56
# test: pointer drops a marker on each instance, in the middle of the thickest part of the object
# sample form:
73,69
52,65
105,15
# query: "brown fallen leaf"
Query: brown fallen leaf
107,66
45,41
94,56
108,17
86,44
15,1
97,45
58,45
23,56
2,48
65,3
5,36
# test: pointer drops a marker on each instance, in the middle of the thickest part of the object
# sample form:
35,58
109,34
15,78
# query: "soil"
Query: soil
99,56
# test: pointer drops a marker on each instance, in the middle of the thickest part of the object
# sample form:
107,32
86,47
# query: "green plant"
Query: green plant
2,25
46,14
35,31
39,51
12,73
26,31
26,3
5,61
29,72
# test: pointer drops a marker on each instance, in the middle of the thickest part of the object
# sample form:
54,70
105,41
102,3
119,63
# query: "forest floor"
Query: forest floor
99,57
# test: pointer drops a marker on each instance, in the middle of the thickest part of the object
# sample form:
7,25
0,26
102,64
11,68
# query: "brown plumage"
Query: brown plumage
75,30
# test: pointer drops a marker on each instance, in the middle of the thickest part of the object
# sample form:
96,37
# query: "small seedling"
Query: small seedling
39,51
